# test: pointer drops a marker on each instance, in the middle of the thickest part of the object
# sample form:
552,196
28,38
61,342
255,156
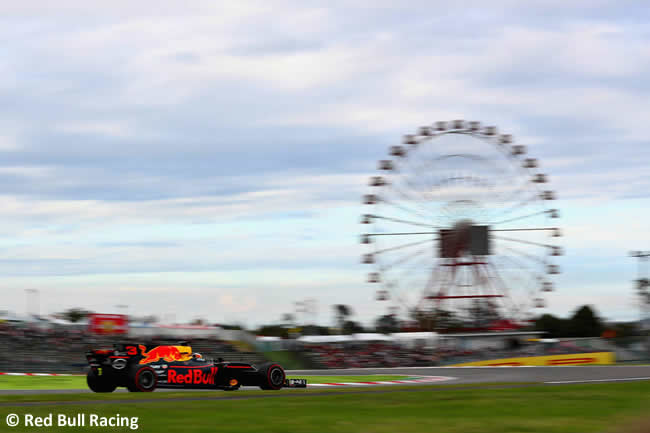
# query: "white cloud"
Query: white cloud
106,129
8,142
448,82
238,303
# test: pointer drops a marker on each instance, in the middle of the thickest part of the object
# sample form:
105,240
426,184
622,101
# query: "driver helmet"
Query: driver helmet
197,356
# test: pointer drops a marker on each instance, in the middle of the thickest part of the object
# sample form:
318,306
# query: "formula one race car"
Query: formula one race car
143,369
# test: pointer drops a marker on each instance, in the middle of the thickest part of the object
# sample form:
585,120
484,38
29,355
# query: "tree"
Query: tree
352,327
436,320
622,331
288,319
315,330
235,326
273,331
386,324
585,323
74,314
342,313
554,327
426,320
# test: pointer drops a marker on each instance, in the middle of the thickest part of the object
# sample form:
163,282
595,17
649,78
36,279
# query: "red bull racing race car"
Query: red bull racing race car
140,368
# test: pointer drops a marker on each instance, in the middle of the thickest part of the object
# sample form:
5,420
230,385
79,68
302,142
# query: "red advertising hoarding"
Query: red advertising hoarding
108,324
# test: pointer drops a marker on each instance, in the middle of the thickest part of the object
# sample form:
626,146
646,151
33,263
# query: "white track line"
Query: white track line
420,379
600,380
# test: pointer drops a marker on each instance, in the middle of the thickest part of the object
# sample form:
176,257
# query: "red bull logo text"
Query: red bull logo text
166,353
197,376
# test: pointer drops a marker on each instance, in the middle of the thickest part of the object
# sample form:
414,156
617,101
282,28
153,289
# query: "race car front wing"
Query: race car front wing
295,383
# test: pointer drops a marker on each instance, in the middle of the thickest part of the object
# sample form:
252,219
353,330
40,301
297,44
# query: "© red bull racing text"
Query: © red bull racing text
143,369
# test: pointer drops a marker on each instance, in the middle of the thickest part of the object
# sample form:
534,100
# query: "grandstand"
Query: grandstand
60,348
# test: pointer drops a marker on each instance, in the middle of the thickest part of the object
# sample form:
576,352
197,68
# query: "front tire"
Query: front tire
98,383
272,376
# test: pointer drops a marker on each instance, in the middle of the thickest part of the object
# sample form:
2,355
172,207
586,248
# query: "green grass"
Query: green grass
79,382
547,409
194,394
43,382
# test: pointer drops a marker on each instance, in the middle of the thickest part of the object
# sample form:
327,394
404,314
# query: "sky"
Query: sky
208,160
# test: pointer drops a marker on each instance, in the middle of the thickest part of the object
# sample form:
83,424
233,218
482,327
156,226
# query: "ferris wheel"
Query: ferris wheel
459,219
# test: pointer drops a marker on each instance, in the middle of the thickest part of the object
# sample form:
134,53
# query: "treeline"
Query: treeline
583,323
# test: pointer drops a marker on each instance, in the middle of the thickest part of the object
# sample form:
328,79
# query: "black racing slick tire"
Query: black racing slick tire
142,379
98,383
272,376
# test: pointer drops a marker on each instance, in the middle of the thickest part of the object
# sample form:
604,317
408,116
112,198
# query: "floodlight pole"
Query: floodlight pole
643,286
36,300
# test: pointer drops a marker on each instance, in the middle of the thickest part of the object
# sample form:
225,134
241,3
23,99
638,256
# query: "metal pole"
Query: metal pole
643,287
32,310
27,309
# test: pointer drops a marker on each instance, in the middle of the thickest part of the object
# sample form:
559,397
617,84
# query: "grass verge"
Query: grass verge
547,409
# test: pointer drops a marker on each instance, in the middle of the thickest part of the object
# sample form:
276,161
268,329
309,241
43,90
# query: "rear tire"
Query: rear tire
142,379
98,383
272,376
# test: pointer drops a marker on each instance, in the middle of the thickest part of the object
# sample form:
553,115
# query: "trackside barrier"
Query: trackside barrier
595,358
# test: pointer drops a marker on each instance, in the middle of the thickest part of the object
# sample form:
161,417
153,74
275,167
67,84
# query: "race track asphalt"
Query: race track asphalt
468,375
